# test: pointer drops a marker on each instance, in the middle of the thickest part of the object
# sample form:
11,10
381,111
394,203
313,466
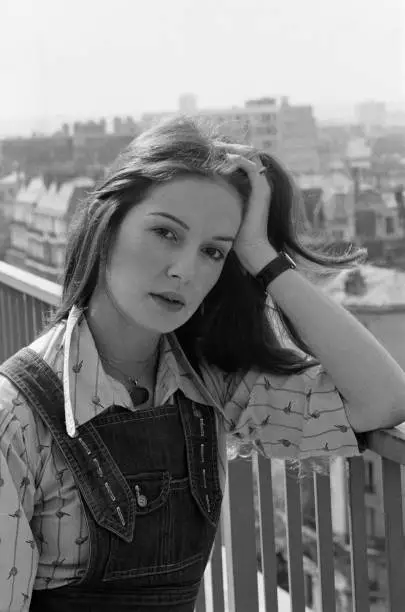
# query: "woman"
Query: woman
114,421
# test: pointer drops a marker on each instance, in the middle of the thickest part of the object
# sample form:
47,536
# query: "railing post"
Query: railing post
267,533
394,537
243,535
324,540
358,539
294,539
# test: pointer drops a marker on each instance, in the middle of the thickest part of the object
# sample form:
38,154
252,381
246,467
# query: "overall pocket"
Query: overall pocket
171,538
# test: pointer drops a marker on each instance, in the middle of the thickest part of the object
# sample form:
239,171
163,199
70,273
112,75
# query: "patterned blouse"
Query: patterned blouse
43,532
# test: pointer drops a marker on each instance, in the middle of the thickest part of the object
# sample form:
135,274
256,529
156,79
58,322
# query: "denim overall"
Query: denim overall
148,480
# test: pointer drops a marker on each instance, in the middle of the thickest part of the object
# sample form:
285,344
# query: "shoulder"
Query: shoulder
264,389
22,433
21,430
221,385
50,344
297,415
240,387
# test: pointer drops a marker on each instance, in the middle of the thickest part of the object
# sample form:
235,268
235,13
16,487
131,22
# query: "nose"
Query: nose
183,267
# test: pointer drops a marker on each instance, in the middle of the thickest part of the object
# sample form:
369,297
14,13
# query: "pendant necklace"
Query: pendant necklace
139,395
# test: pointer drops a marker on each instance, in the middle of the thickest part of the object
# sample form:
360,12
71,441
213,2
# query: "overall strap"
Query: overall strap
43,390
39,384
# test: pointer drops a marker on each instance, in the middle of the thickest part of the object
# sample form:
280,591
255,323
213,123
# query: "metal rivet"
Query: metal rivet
118,509
86,448
110,493
99,470
141,499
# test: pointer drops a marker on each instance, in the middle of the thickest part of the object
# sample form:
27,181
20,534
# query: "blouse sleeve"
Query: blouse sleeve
296,416
19,466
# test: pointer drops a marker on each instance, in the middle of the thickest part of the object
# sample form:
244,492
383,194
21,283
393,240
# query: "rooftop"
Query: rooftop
11,179
30,193
385,289
56,198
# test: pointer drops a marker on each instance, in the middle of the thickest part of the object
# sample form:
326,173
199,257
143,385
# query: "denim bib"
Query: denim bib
148,481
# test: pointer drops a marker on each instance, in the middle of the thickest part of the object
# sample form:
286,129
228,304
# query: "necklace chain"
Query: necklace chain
134,381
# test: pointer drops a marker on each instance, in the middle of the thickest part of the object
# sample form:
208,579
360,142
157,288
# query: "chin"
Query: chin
165,325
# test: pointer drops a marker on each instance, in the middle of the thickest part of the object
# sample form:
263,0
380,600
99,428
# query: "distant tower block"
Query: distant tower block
188,103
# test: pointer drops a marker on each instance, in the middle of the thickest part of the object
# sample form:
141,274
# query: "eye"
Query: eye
165,233
214,253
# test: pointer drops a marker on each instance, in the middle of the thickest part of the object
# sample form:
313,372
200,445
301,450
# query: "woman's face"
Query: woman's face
170,251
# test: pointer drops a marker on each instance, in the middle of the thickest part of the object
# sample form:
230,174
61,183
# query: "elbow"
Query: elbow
383,415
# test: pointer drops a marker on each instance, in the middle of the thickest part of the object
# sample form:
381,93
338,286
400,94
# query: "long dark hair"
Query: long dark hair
237,330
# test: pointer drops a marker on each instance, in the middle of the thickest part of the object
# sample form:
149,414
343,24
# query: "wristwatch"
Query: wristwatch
273,269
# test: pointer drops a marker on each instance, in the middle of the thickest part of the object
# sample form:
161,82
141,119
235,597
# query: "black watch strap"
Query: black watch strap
273,269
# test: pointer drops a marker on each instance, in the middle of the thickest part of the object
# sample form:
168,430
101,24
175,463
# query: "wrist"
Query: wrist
257,257
274,269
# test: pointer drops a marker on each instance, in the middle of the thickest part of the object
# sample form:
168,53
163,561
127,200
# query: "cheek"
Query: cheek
135,259
208,279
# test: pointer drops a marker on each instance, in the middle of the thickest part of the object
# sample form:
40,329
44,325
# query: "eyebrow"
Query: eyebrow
186,227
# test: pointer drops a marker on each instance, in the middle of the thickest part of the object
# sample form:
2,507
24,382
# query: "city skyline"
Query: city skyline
73,61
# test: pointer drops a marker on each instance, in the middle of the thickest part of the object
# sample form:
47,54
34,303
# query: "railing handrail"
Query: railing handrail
388,443
29,283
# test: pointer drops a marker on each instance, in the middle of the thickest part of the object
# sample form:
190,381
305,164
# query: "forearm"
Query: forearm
368,377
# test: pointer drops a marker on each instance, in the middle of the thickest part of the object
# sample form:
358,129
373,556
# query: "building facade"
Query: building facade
25,203
254,124
276,127
9,186
372,116
41,215
298,144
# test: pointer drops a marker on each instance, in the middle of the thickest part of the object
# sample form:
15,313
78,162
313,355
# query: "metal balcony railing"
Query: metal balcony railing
244,570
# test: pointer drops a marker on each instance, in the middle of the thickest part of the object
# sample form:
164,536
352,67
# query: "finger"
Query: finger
236,149
253,167
258,210
242,162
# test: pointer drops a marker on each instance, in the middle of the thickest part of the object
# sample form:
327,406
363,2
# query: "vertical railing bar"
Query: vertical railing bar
394,536
32,328
18,319
26,324
324,540
11,327
200,602
217,575
243,535
36,310
358,537
5,344
226,536
267,534
294,539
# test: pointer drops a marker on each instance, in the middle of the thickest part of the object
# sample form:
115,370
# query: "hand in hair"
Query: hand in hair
252,245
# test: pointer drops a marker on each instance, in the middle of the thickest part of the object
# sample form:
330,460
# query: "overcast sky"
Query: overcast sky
81,58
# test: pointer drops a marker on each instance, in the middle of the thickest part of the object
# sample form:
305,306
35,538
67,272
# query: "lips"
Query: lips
174,298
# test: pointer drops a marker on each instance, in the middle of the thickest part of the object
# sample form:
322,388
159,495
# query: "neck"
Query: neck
121,343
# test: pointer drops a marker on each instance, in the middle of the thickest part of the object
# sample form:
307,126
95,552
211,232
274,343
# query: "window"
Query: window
309,591
370,522
389,225
267,117
57,256
267,144
369,476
